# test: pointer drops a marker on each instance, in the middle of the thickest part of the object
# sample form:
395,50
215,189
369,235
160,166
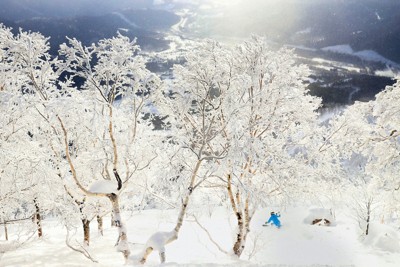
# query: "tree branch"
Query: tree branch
71,165
83,251
209,235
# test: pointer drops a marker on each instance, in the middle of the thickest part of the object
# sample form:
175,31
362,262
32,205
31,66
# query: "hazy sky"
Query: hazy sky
31,8
364,24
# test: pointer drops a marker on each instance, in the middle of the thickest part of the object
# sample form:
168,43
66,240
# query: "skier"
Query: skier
274,219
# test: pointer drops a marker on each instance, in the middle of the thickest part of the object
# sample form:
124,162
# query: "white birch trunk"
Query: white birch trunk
122,237
123,245
181,216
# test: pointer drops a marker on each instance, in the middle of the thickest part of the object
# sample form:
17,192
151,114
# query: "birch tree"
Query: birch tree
241,111
365,140
12,187
380,147
270,134
194,104
29,80
385,139
111,70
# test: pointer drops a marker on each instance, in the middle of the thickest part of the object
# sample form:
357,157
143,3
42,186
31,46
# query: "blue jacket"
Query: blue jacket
274,219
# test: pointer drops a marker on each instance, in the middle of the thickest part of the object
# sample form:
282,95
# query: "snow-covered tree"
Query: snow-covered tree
116,85
270,133
385,139
99,125
12,187
28,83
244,112
365,141
197,123
340,163
381,149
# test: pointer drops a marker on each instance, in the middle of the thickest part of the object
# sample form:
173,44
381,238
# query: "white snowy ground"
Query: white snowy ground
295,244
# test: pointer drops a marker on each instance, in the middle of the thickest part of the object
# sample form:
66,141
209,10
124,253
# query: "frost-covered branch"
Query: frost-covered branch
81,250
209,235
71,164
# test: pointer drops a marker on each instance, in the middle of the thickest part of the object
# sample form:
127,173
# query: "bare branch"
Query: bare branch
71,165
83,251
209,235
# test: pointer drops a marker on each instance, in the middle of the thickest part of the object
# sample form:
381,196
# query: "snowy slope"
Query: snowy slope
367,55
295,244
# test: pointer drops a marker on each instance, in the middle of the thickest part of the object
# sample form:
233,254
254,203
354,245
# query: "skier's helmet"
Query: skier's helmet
272,213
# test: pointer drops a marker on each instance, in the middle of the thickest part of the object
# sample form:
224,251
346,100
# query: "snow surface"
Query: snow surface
368,55
372,56
330,64
297,243
386,73
342,49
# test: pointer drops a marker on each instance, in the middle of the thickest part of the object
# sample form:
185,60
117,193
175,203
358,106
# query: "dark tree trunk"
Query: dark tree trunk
100,224
113,224
86,231
368,217
6,231
238,247
244,229
85,222
37,218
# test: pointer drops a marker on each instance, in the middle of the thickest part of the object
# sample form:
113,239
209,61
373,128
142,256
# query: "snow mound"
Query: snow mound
319,213
383,237
104,186
158,240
